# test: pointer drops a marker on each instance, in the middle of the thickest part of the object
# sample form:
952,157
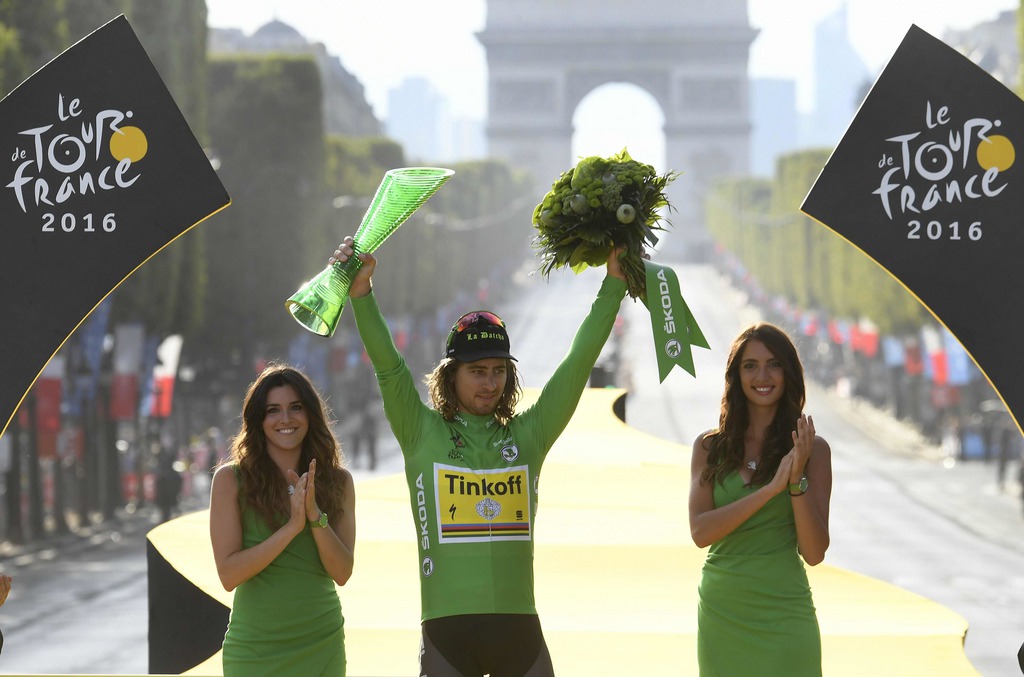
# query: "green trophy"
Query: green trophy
317,305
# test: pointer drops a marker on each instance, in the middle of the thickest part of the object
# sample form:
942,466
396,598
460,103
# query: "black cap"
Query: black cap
478,336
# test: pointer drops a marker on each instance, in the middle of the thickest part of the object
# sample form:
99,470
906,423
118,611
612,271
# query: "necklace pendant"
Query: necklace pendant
752,465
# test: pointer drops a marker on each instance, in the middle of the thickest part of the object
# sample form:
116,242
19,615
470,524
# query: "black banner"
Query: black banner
925,183
101,172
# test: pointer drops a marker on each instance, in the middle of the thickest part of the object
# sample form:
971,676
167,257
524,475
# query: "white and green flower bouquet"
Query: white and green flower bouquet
599,204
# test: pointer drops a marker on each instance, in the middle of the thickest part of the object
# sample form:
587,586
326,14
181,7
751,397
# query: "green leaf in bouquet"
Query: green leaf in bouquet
564,242
599,257
587,170
649,235
594,234
578,256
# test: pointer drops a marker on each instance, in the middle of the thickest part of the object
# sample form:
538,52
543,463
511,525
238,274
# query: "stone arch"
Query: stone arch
544,57
619,114
581,84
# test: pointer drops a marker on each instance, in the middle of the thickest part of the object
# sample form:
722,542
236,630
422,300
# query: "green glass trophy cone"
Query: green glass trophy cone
318,304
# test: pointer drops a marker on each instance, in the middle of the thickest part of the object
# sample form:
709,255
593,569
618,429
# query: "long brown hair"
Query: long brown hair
441,386
725,445
261,487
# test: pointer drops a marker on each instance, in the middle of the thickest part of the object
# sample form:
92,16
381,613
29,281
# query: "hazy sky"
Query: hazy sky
384,41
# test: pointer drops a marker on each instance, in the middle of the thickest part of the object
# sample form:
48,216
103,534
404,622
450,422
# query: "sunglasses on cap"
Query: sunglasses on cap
474,319
476,336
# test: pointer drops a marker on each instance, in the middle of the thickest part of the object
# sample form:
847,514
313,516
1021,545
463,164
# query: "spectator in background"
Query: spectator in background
1020,478
168,485
952,437
1007,440
365,403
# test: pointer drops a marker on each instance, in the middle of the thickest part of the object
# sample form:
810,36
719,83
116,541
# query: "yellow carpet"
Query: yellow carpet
616,572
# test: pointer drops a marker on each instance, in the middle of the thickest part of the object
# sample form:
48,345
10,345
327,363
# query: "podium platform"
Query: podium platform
616,575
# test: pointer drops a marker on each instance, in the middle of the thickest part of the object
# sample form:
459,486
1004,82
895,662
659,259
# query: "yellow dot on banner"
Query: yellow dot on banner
996,151
129,142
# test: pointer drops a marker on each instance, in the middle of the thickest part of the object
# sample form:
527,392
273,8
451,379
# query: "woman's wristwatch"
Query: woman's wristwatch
799,488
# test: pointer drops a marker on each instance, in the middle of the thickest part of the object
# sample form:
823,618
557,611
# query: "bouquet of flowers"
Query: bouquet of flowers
597,205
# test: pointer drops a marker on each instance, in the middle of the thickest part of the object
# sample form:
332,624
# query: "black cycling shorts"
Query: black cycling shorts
473,645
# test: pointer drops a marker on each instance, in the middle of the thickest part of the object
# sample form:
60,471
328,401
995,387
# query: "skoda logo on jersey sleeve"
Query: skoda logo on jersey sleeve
510,453
427,566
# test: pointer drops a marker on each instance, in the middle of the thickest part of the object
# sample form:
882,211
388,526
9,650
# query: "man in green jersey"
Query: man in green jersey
473,468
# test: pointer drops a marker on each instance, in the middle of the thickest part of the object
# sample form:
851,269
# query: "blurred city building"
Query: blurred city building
773,118
841,79
346,110
419,118
992,45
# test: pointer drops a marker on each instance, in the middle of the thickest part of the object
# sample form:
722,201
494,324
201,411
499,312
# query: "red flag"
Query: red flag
124,391
164,373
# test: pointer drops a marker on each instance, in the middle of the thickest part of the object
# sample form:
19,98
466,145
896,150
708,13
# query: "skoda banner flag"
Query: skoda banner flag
100,171
673,326
925,182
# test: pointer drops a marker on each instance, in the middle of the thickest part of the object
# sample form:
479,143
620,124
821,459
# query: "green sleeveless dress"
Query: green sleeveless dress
287,619
755,615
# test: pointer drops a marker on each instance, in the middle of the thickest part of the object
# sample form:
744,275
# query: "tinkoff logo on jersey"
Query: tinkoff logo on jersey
482,505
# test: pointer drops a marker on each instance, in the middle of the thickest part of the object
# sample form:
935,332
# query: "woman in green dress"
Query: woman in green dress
283,540
759,497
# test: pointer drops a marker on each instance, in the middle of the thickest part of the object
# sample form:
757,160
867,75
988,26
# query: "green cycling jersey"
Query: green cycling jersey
473,483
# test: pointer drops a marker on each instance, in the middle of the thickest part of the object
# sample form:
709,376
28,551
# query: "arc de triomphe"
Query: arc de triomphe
545,56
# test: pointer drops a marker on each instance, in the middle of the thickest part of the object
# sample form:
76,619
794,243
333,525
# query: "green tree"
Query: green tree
175,36
267,137
31,33
355,165
804,262
484,207
474,233
168,293
1020,48
85,16
12,61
